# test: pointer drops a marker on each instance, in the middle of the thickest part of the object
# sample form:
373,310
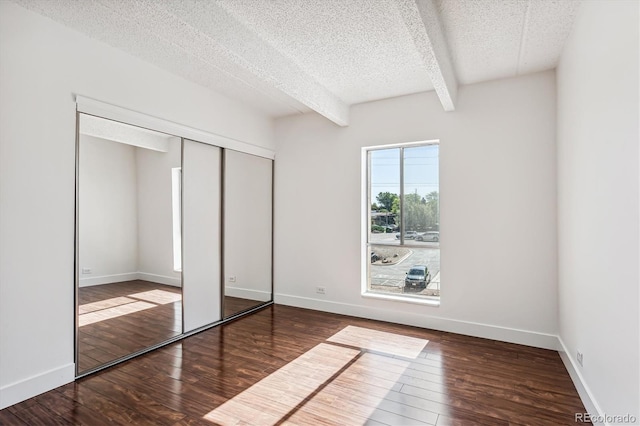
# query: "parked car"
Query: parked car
418,276
408,235
428,236
374,257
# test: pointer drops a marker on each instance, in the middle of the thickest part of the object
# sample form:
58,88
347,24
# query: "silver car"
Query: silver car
429,236
408,235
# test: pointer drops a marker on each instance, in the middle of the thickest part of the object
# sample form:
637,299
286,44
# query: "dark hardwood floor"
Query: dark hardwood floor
285,365
121,318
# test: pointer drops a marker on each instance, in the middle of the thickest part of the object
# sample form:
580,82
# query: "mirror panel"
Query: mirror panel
247,231
129,292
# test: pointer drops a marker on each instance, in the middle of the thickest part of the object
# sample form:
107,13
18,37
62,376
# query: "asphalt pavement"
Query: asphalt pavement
425,253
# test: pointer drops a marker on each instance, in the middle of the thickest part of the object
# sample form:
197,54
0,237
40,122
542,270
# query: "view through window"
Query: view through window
176,214
404,220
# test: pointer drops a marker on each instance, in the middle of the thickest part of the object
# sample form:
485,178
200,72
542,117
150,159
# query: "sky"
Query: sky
421,170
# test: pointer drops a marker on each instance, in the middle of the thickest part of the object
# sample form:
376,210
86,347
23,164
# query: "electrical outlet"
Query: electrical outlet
232,279
320,290
86,270
579,357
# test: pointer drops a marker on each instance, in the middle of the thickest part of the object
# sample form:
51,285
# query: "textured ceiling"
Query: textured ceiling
491,39
359,50
294,56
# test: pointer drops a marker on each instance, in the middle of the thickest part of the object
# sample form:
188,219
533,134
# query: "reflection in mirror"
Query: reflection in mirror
247,230
129,240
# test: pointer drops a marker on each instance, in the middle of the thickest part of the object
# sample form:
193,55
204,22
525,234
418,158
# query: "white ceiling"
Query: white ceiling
293,56
491,39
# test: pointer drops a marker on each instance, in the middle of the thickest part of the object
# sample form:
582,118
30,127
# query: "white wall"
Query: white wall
108,219
598,212
498,208
155,216
42,66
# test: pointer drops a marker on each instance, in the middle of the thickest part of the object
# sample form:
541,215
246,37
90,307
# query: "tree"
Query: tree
433,208
414,213
421,213
386,200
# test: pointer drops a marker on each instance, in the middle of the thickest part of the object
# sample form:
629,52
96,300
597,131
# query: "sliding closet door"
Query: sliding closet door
248,231
201,198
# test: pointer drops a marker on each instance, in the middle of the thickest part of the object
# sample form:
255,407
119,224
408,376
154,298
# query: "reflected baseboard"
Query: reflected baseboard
130,276
246,293
108,279
160,279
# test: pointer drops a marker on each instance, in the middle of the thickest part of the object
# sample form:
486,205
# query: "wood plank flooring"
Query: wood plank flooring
279,366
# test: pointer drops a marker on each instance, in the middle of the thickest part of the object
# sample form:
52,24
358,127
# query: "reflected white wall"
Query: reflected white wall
247,226
108,218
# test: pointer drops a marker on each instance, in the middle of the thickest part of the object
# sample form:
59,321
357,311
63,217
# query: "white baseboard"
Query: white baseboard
35,385
108,279
130,276
504,334
590,403
245,293
160,279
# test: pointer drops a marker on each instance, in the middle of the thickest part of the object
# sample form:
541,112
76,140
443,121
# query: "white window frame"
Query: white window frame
366,221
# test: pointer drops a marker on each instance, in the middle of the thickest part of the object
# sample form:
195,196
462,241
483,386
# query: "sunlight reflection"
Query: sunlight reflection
116,311
160,297
103,304
101,310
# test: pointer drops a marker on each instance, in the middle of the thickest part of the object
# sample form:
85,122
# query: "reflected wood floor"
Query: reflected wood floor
234,305
122,318
279,366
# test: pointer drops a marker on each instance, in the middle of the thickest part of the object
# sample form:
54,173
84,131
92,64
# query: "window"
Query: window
176,214
403,221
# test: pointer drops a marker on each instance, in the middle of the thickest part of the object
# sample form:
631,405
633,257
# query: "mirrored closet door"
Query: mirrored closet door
173,236
128,244
248,227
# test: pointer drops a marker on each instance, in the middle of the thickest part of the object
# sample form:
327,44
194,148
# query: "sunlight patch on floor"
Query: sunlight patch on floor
272,398
353,396
379,341
328,384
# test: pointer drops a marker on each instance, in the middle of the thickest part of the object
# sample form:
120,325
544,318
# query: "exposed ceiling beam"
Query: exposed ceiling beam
204,40
423,22
251,58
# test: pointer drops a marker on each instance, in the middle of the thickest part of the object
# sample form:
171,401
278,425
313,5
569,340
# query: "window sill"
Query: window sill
406,299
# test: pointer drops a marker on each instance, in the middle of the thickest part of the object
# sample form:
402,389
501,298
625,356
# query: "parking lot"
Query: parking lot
390,277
